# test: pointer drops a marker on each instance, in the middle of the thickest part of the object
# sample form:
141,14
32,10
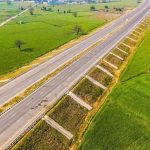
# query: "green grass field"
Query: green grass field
9,10
98,6
123,123
44,31
41,33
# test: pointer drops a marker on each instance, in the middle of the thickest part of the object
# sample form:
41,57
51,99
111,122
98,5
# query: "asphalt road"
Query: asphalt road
19,84
21,116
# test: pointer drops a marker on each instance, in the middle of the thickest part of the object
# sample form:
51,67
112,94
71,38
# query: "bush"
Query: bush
69,11
74,14
92,8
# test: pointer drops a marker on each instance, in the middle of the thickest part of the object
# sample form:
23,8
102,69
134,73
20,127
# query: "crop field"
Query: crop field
9,10
124,121
98,6
44,30
69,114
40,33
101,77
43,136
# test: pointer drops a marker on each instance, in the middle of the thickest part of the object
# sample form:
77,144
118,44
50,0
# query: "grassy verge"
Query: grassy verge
125,48
106,66
119,53
133,37
101,77
88,91
114,60
129,42
123,123
43,136
69,114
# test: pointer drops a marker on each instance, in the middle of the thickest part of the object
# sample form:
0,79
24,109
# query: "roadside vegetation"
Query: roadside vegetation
123,122
43,136
108,67
69,114
101,77
87,91
114,60
119,53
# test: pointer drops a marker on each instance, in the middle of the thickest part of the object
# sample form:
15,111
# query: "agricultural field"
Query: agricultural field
85,7
9,10
40,33
45,30
123,123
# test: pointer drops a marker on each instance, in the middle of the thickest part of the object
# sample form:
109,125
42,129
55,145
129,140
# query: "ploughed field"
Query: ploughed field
123,123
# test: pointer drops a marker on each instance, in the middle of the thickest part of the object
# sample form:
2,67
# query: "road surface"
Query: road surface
20,117
19,84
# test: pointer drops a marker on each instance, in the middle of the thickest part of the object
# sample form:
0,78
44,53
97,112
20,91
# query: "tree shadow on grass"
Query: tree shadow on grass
27,50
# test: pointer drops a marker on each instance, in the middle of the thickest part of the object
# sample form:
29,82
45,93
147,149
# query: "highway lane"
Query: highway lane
24,81
18,116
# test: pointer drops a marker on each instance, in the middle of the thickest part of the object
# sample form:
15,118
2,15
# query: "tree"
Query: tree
106,8
138,1
58,10
8,2
74,14
92,8
21,8
78,30
49,9
104,1
31,10
18,44
69,11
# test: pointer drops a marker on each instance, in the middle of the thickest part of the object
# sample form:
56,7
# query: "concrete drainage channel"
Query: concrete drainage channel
67,118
